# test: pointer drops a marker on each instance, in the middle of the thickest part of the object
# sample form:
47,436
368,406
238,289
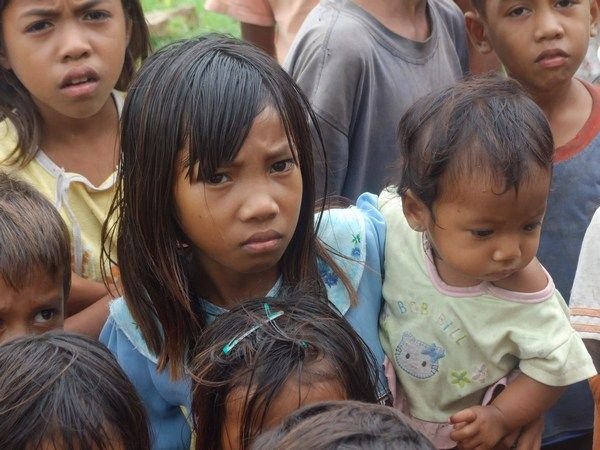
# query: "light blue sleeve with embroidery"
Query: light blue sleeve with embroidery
358,234
162,397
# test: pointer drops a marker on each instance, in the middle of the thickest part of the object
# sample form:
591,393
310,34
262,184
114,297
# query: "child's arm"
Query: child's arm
521,402
91,320
261,36
83,293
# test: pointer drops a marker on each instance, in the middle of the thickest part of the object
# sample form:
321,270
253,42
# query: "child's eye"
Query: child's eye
517,12
45,315
532,226
217,178
482,233
38,26
565,3
96,15
283,166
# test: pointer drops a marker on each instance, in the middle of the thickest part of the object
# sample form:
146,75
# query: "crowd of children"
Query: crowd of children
189,228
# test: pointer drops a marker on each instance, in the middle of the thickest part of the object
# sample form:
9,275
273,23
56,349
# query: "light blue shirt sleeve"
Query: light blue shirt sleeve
358,235
161,396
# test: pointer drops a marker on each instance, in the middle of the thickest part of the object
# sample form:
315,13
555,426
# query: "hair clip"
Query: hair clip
270,317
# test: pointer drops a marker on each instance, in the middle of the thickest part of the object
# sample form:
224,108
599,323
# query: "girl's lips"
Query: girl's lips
78,82
80,90
262,242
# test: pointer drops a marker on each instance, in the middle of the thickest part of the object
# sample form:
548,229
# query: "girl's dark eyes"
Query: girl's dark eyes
36,27
96,15
284,165
217,178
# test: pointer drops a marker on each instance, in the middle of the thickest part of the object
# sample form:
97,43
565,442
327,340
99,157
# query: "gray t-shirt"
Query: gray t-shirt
361,77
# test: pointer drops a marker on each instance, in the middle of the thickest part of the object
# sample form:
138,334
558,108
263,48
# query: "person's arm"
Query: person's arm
83,294
522,402
261,36
593,348
90,320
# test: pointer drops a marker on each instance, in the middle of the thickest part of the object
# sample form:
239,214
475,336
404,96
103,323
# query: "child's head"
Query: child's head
216,180
476,164
35,261
344,425
541,43
63,58
66,391
268,357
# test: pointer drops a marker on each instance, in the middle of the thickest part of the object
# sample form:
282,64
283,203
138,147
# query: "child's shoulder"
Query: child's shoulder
587,135
122,331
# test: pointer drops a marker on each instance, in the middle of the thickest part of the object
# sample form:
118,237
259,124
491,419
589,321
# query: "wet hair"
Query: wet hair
254,348
482,127
17,105
348,425
196,100
34,237
67,390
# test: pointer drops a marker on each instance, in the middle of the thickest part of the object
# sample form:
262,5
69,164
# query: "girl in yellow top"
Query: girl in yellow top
61,62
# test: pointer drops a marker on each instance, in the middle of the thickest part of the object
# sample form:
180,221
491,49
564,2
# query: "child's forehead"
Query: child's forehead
37,286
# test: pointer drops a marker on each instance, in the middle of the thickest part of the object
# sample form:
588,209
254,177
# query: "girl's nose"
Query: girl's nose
74,43
259,204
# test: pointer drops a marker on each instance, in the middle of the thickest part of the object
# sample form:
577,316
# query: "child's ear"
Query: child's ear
477,32
416,212
594,17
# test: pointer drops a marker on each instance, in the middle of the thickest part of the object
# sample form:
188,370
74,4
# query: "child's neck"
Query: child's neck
89,146
227,290
567,109
407,18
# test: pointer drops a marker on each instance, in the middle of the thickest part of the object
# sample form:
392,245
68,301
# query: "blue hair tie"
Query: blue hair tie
270,317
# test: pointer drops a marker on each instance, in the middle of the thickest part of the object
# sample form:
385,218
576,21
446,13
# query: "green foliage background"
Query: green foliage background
178,29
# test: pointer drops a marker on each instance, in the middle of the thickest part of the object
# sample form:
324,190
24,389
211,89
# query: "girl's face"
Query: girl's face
67,53
479,233
293,395
241,220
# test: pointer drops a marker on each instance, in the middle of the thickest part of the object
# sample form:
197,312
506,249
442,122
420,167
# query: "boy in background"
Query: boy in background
35,262
268,24
541,44
362,63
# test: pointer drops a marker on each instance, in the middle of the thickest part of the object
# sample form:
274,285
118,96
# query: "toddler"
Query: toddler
466,301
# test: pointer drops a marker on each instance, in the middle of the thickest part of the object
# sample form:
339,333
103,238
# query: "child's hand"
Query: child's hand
478,427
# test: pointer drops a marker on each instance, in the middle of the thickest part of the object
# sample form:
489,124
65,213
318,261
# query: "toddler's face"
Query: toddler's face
36,308
480,233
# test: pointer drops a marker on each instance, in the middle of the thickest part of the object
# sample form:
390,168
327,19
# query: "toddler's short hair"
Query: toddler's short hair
482,127
33,237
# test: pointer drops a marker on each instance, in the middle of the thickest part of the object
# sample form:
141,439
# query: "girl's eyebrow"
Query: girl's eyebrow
52,12
278,151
